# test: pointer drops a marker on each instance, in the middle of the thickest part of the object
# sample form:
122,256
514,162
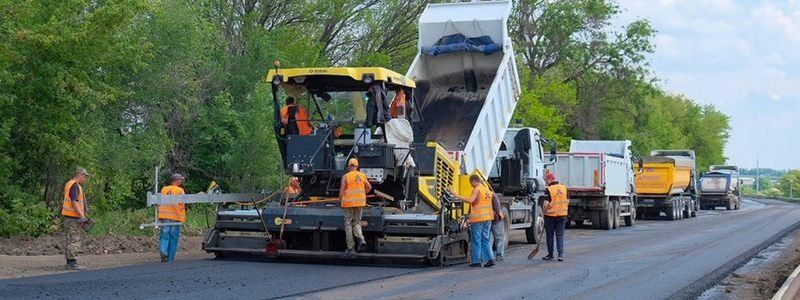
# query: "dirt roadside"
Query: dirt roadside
23,257
764,274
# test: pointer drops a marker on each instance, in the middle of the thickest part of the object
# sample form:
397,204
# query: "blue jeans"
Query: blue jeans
481,250
554,230
168,245
498,232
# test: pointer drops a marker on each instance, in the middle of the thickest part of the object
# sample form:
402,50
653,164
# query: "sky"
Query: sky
741,56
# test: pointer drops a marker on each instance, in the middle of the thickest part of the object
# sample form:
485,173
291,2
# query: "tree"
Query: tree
789,183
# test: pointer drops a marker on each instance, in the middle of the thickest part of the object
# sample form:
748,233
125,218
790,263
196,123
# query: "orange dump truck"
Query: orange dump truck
667,184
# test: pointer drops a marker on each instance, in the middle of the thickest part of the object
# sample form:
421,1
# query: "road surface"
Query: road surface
652,260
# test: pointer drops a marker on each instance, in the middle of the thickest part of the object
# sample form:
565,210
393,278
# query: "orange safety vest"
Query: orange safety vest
291,191
481,210
355,190
559,202
303,125
399,100
71,207
176,211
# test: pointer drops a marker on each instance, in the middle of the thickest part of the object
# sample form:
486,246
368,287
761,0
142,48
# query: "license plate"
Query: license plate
373,174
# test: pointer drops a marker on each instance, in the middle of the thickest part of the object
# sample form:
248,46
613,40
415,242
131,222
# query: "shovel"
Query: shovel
280,242
533,252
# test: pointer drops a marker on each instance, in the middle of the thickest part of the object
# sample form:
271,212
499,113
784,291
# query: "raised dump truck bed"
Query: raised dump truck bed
667,184
466,98
599,178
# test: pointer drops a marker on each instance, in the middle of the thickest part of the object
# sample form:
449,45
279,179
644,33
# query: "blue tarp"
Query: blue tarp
460,43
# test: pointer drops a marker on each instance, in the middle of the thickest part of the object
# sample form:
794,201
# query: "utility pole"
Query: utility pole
758,175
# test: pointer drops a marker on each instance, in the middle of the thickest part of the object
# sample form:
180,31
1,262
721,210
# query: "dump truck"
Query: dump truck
667,183
720,187
599,178
462,89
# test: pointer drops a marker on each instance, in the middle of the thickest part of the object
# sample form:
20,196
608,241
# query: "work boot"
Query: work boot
560,257
163,257
548,257
350,252
499,258
489,264
72,265
362,245
475,265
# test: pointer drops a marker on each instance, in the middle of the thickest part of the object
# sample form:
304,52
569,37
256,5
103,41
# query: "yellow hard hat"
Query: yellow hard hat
352,162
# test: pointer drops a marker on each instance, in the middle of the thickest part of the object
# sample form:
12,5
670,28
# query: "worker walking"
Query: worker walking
556,206
480,221
171,213
498,229
294,118
353,194
73,210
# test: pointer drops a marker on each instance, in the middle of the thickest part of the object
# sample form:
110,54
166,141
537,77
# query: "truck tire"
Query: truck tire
506,226
616,213
607,218
671,215
535,233
686,210
631,219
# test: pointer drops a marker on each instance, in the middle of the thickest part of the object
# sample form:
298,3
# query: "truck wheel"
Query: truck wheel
506,226
671,215
535,233
631,219
616,213
687,212
606,218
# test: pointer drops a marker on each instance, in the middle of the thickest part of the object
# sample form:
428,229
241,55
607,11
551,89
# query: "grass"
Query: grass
199,217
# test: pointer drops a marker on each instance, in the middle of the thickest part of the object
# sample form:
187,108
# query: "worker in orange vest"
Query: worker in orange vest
293,189
73,209
399,105
171,213
353,194
556,207
295,119
480,223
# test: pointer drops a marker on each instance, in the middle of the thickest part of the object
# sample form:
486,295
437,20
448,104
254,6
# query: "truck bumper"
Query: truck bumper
716,200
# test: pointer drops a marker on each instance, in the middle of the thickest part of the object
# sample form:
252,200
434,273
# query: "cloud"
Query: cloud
740,57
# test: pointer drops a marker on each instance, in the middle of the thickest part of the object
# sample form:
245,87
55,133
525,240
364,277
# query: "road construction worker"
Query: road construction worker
75,220
480,222
498,229
556,206
399,105
294,118
293,189
353,194
171,213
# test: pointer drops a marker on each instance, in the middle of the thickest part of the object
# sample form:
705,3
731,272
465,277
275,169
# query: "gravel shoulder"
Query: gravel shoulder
24,257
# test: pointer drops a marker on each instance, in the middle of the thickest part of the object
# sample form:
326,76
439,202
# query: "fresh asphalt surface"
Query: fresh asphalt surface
651,260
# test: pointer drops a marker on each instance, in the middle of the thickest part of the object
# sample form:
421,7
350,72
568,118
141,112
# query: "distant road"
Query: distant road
652,260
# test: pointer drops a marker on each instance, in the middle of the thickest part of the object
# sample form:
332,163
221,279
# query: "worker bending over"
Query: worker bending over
294,189
353,193
171,213
556,206
73,210
480,223
294,118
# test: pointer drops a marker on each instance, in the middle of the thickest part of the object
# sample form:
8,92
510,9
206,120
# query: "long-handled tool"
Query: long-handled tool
272,247
280,241
534,251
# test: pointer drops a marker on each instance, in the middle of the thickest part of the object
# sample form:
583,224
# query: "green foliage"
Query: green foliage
121,87
789,184
763,183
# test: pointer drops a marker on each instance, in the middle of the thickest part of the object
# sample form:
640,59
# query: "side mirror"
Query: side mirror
553,153
640,162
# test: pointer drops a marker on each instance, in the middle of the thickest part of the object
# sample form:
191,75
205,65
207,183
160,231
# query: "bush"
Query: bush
30,218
